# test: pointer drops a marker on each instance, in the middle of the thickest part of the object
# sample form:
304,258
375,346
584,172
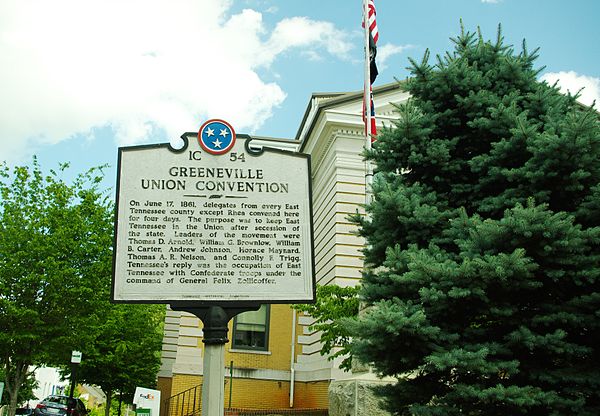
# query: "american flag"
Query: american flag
372,48
373,21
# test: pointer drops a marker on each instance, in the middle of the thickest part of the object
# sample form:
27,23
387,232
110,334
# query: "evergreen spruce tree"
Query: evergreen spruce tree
482,265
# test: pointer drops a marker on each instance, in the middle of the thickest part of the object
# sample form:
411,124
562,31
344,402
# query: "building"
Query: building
274,359
49,381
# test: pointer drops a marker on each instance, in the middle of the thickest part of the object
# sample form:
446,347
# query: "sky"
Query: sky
79,78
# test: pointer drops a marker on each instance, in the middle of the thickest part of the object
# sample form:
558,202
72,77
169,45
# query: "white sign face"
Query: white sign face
76,357
202,227
145,398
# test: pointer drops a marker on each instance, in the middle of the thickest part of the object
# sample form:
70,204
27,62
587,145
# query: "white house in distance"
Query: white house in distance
49,382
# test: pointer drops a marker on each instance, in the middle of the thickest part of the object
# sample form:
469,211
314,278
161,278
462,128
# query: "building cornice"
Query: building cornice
325,101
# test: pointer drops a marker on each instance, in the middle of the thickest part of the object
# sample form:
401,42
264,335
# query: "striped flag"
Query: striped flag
369,114
372,21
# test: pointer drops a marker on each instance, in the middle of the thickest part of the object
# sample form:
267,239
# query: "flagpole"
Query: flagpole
367,101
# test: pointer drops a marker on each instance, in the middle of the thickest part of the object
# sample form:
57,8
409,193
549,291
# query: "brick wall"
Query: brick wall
311,395
259,394
278,355
183,382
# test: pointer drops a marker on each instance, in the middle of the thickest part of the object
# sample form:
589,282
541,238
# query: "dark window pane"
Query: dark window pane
250,329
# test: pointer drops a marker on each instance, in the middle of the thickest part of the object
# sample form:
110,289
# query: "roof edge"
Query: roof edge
340,98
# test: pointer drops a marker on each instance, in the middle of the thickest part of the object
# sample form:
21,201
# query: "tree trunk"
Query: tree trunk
12,403
108,393
15,374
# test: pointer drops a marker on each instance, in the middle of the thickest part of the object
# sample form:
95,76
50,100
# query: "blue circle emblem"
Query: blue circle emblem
216,136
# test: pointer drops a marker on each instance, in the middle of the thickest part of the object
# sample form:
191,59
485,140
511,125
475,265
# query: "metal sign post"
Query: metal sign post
215,320
75,361
215,228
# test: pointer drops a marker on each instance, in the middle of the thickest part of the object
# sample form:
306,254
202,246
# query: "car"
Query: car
24,411
56,405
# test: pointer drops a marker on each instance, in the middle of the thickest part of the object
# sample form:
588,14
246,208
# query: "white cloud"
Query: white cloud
305,33
388,50
491,1
143,68
572,82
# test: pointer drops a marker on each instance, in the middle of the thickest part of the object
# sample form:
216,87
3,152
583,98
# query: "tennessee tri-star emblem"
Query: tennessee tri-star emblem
216,136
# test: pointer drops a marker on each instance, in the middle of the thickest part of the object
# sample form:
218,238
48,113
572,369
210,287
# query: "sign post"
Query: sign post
75,361
215,229
215,319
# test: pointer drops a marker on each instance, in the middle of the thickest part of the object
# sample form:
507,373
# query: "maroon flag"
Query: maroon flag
372,118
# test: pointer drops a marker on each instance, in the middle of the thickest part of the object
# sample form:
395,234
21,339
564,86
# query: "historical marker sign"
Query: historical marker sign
201,225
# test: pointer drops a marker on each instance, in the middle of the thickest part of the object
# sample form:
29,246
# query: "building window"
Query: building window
251,330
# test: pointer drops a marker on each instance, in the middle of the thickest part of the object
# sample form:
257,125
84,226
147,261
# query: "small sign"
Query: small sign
214,222
76,357
147,401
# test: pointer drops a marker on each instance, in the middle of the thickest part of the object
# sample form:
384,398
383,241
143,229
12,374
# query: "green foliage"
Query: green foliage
55,277
126,350
334,305
25,391
96,411
92,411
55,261
100,410
483,261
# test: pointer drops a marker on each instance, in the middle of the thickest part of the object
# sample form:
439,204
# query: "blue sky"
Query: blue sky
79,78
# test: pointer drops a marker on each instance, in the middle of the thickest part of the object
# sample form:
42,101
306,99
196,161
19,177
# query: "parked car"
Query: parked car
24,411
56,405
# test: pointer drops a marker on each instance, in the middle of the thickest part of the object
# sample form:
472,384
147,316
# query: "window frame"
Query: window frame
267,325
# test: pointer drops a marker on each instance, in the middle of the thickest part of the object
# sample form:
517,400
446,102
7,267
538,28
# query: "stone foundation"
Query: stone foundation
355,397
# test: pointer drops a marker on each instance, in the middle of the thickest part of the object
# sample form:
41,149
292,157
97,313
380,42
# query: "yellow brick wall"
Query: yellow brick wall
256,393
183,382
163,384
184,403
311,395
259,394
280,334
266,394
